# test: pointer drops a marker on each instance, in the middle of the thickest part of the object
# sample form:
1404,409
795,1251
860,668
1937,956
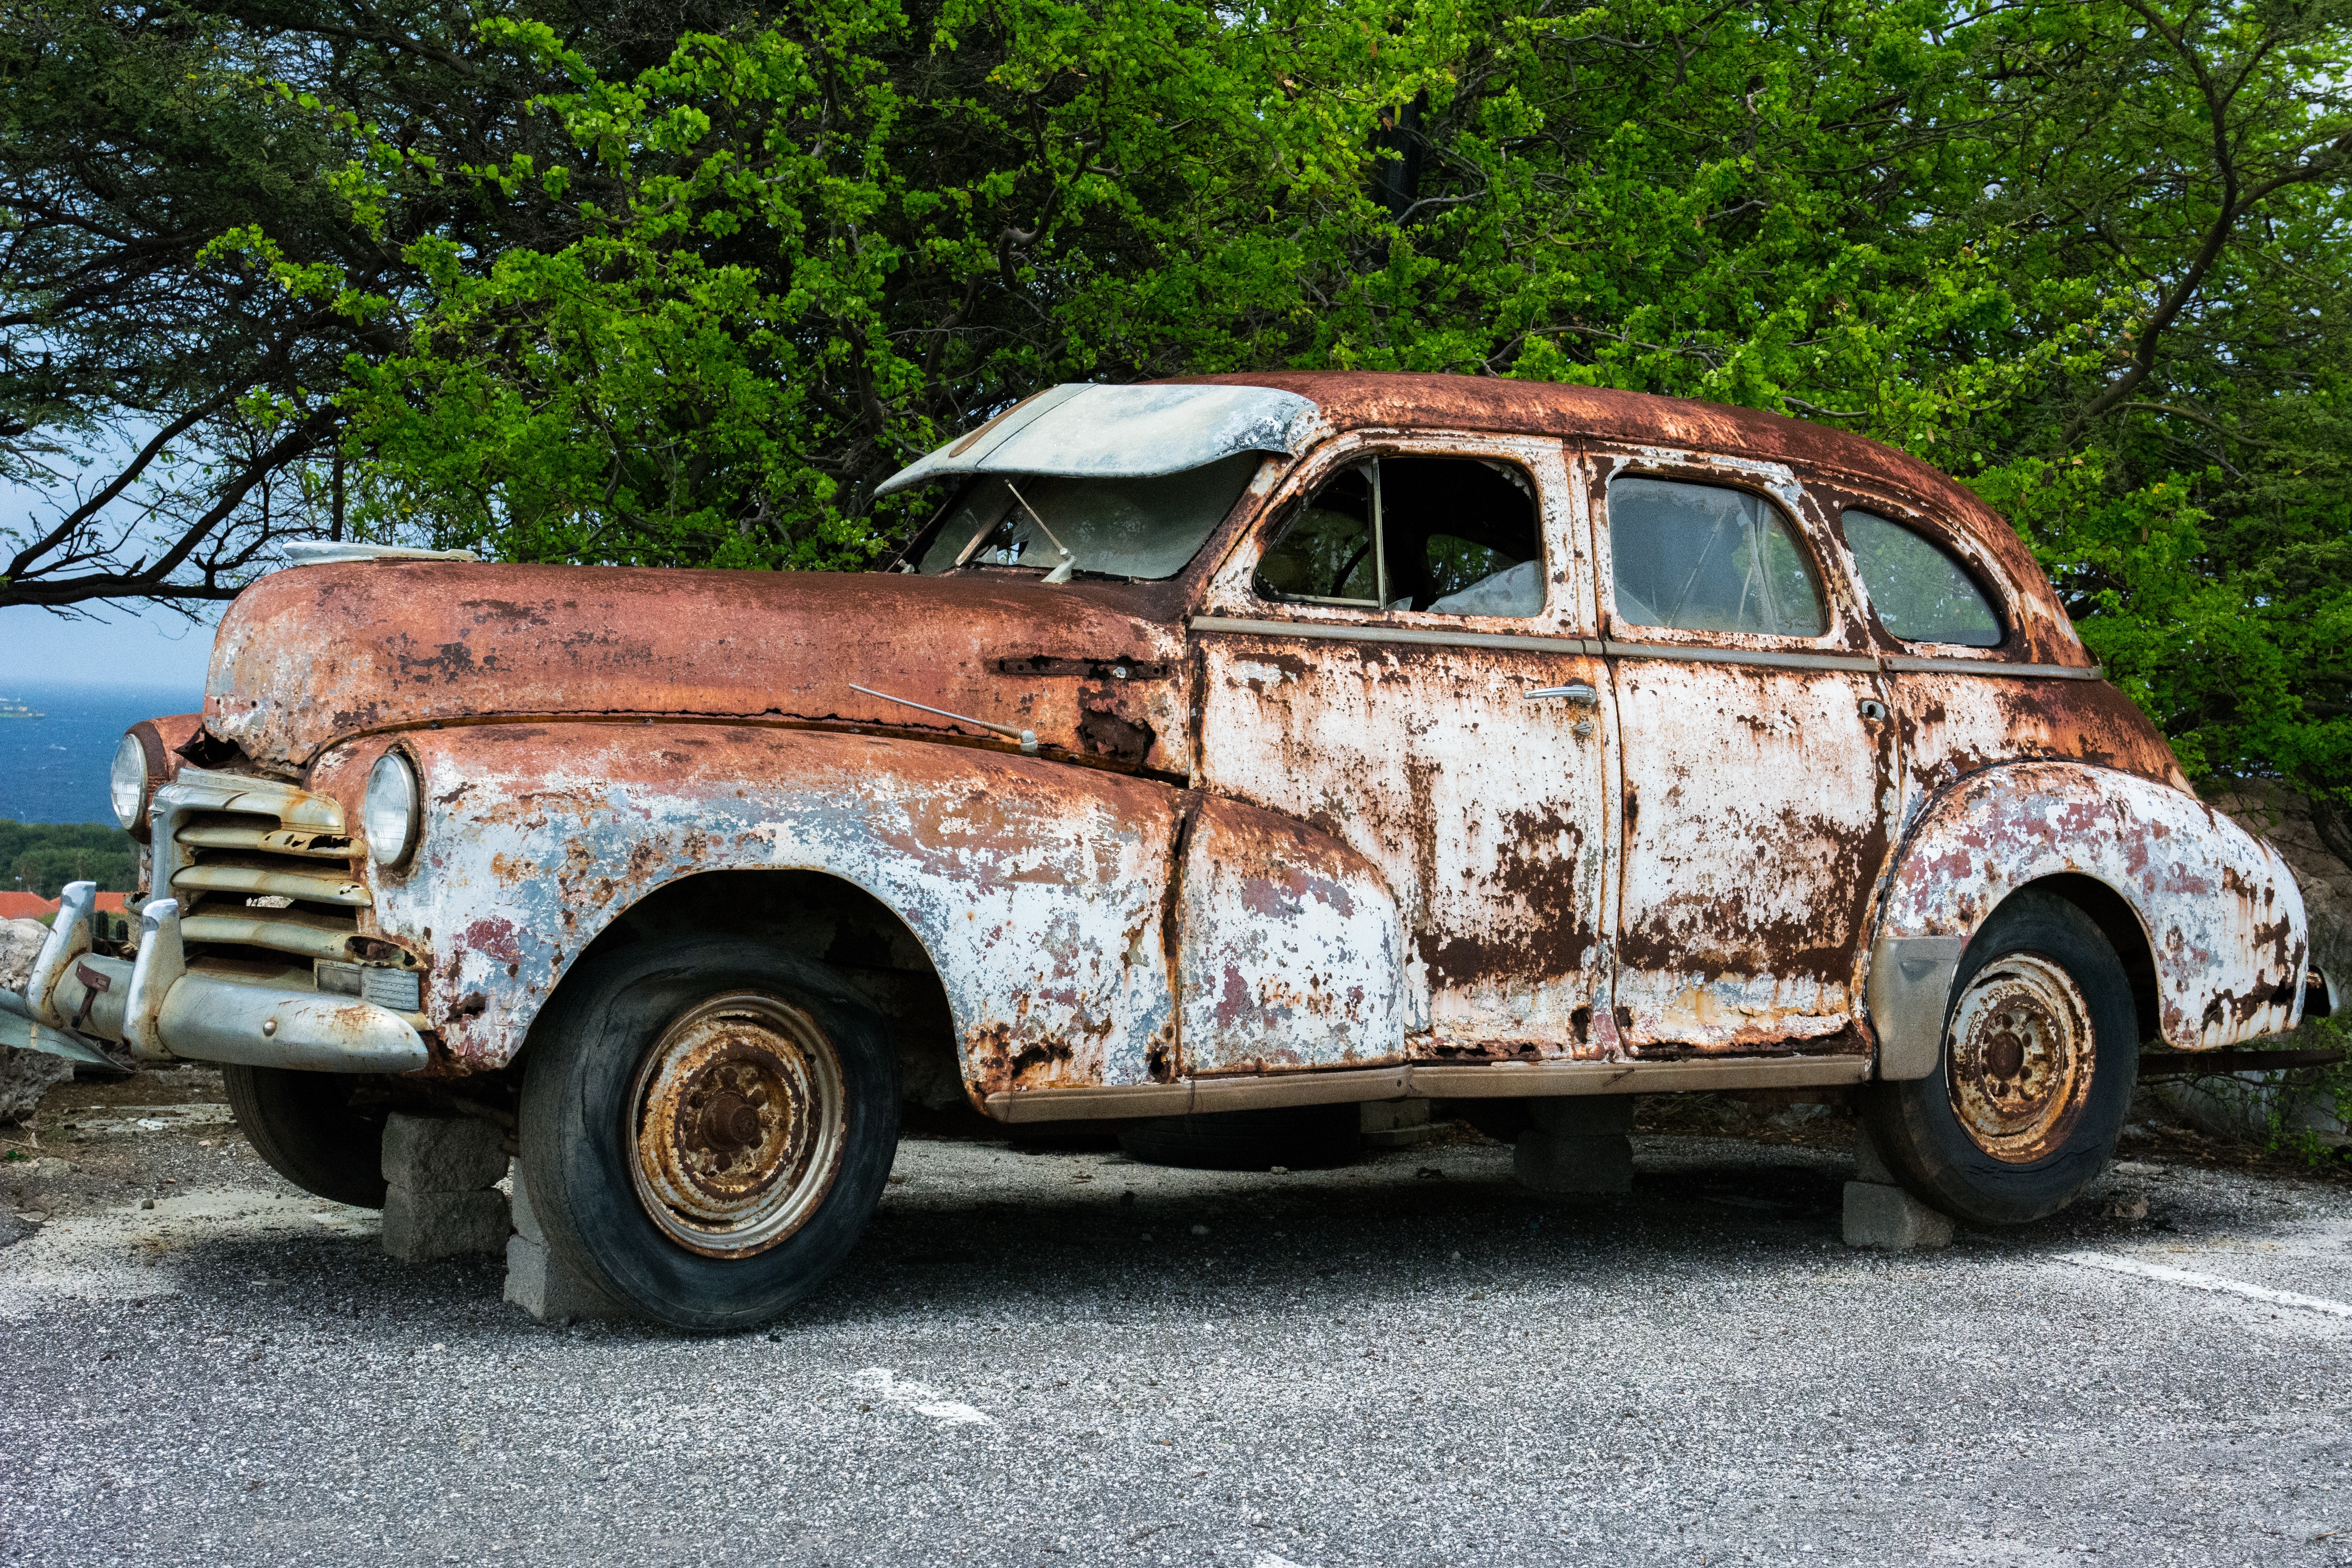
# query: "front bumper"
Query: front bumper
164,1013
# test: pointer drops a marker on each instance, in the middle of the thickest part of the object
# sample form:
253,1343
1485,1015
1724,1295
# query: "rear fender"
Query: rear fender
2223,917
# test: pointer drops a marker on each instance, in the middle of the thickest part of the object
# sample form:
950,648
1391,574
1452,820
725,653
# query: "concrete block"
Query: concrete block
1892,1220
1395,1123
1392,1115
540,1284
1869,1165
420,1226
1582,1115
526,1223
442,1153
1548,1162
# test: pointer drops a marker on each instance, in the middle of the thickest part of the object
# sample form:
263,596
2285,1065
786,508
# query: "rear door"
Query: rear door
1759,766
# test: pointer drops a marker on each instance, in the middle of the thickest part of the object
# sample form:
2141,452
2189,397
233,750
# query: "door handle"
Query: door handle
1578,693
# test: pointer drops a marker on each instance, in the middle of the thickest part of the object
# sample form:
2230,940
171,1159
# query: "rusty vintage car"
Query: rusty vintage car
1229,744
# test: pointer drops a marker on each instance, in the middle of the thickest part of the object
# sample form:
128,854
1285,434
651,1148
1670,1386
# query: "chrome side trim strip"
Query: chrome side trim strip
1679,652
1417,635
1499,1081
1909,663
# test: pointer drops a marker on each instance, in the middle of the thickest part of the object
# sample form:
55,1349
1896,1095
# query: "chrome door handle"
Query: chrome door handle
1581,694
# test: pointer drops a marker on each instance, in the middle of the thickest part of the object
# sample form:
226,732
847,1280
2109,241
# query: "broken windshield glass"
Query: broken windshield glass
1116,528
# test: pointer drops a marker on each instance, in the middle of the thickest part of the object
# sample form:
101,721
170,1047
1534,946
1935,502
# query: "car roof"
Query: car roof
1356,400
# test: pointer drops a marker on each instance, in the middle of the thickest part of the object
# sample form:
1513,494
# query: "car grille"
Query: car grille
262,871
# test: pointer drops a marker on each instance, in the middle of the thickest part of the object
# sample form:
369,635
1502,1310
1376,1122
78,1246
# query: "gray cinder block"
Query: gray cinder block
540,1284
442,1153
1890,1219
418,1226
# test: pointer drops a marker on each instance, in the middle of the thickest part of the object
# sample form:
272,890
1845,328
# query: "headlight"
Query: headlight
126,782
389,817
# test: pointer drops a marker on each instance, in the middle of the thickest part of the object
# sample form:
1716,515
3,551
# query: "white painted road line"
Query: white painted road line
2194,1281
885,1385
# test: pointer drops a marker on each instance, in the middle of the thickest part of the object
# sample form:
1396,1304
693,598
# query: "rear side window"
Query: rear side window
1706,558
1920,592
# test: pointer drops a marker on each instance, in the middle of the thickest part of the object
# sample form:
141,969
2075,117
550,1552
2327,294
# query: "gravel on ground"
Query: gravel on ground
1052,1357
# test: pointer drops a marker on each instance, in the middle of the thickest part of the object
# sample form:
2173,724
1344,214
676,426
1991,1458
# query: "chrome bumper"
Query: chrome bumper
166,1014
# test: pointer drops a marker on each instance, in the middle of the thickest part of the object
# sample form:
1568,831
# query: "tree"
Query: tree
173,408
2090,257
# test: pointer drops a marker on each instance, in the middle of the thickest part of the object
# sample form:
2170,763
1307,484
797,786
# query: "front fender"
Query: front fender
1037,890
2222,916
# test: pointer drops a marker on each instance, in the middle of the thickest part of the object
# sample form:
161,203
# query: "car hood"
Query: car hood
317,654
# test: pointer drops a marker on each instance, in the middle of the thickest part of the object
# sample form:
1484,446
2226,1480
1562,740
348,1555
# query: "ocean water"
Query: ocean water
53,768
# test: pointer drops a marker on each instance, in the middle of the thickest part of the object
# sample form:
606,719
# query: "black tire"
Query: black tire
1987,1175
1300,1137
304,1124
585,1131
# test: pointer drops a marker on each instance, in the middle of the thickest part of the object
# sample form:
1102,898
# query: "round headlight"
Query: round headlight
126,782
389,817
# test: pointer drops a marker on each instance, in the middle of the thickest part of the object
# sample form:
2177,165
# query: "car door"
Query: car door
1759,766
1401,657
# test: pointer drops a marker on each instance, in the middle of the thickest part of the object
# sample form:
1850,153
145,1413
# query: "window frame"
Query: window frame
1544,462
1835,498
1778,486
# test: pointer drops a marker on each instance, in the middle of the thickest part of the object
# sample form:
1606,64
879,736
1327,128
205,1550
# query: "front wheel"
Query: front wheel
2041,1054
706,1127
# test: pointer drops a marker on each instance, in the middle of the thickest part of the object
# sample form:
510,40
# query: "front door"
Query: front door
1400,657
1759,763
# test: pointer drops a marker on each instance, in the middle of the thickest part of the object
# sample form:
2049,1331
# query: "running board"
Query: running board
1501,1080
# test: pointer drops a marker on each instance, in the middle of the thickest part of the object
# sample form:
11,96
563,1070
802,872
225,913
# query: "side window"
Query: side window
1920,592
1454,536
1706,558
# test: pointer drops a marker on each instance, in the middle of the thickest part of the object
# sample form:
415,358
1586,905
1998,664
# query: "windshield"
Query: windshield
1118,528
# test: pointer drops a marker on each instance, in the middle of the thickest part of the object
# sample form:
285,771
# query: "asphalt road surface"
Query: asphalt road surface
1065,1358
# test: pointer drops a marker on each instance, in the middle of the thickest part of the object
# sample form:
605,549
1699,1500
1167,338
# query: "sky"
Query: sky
117,647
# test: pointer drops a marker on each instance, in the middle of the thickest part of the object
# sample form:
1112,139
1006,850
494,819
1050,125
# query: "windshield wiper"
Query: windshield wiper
1060,574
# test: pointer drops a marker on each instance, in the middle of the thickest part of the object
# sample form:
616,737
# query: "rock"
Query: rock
12,1228
26,1079
2127,1208
24,1076
20,945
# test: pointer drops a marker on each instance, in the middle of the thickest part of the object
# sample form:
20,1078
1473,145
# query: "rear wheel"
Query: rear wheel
304,1124
2040,1054
706,1127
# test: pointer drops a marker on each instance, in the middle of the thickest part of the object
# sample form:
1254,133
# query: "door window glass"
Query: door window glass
1708,558
1920,592
1451,535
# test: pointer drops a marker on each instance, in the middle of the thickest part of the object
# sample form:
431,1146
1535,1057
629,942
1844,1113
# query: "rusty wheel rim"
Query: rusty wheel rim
736,1125
2021,1057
